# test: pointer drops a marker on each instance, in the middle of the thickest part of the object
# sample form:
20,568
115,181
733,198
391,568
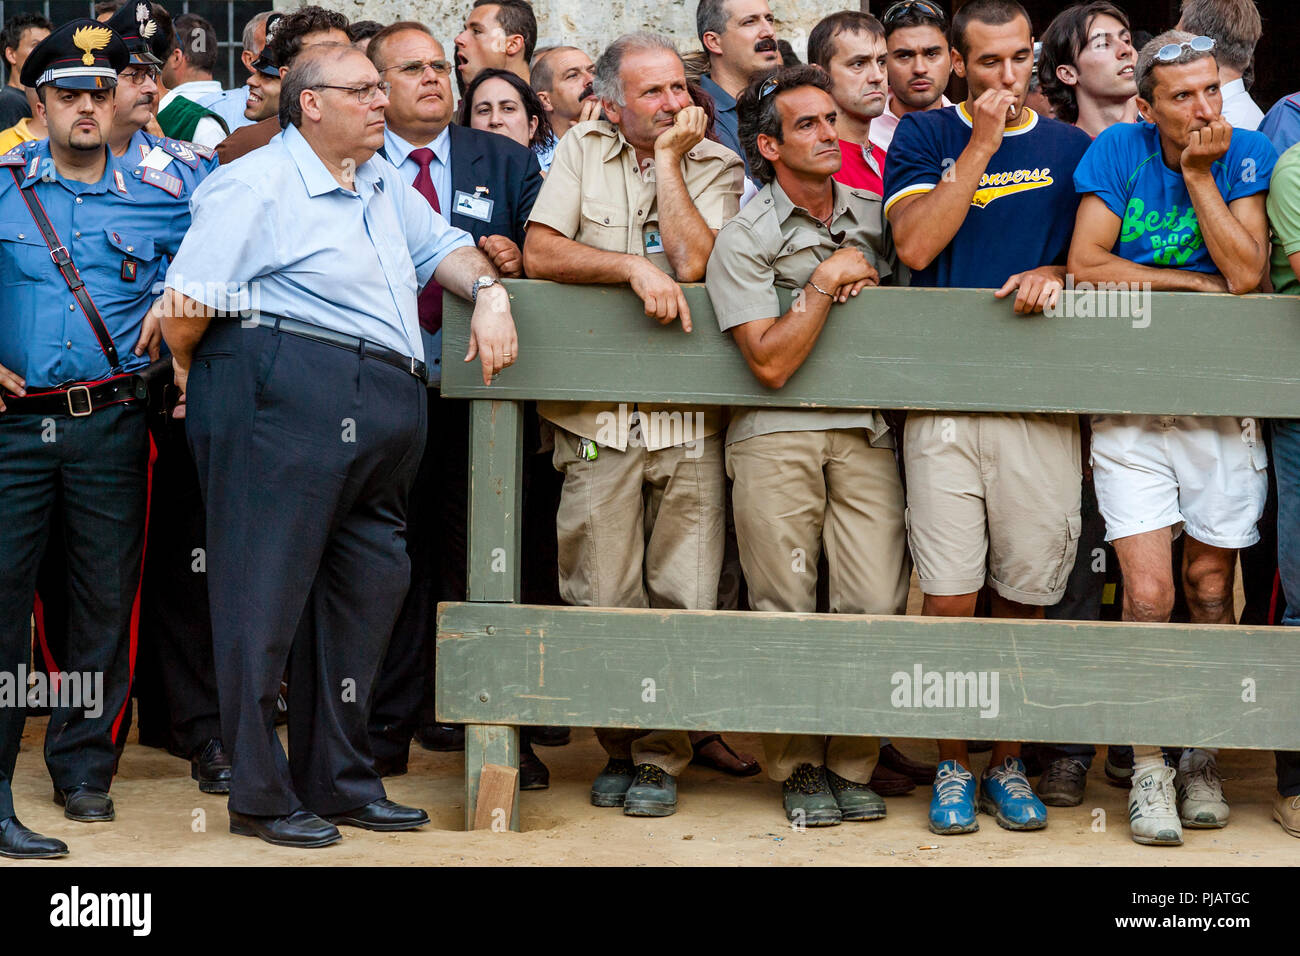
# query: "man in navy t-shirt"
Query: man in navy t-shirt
980,195
1176,203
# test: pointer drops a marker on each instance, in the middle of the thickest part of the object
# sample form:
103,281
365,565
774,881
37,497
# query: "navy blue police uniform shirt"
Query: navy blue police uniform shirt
1022,214
120,232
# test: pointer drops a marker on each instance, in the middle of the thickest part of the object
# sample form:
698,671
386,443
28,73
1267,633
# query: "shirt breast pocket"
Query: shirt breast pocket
131,257
604,226
800,254
24,257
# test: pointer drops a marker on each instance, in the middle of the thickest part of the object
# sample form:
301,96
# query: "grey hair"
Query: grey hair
710,17
308,70
1147,62
1234,24
250,31
608,83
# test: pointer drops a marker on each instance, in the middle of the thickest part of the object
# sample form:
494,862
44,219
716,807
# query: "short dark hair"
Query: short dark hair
994,13
1235,26
286,39
821,42
527,95
710,17
20,23
364,30
1063,41
517,19
106,6
197,40
1144,70
383,36
916,16
758,115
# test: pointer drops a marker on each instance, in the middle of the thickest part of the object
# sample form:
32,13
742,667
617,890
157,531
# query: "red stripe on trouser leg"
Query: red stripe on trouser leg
38,612
135,605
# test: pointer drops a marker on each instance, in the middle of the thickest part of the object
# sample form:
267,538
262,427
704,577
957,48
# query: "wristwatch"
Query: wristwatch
482,282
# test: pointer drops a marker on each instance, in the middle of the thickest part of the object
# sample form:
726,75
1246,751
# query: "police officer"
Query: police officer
83,239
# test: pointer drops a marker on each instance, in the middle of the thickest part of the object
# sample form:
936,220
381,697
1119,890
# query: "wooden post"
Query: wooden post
495,499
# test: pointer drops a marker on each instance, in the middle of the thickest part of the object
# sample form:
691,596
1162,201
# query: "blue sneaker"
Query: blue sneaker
952,804
1005,793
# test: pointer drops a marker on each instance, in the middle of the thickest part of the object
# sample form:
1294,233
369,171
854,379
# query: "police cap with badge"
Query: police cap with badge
144,38
80,55
265,62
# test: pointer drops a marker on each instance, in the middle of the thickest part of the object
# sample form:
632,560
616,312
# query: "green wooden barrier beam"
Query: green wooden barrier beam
1205,685
959,349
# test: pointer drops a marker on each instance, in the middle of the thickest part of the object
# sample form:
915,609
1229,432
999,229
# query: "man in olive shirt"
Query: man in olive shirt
806,477
637,198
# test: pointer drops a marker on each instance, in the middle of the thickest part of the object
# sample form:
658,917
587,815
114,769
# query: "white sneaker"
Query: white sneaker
1152,818
1200,791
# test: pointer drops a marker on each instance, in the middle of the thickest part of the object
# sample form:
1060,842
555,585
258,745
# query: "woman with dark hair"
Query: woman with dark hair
498,101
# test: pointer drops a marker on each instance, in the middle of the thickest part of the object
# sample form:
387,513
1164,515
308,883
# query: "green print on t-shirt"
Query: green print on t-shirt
1174,235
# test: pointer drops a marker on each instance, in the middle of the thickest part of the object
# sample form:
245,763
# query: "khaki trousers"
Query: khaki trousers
641,528
793,492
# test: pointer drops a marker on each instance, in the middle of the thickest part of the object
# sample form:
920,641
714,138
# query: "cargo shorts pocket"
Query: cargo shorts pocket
1069,552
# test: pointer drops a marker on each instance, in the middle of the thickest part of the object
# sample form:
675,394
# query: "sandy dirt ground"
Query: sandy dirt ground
163,819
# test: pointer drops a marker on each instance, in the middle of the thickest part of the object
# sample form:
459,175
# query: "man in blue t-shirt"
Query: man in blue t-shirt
980,195
1176,203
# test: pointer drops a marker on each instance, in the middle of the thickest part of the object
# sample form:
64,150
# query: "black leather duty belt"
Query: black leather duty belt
363,347
80,400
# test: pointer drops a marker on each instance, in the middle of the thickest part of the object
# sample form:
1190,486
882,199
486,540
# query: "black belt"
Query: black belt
363,347
80,400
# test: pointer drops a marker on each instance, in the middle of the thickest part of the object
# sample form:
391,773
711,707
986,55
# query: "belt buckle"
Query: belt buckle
413,371
60,260
90,406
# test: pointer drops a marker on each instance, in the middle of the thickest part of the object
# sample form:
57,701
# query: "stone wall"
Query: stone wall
588,24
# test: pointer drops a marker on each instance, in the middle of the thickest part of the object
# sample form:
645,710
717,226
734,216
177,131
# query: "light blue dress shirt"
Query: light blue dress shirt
118,231
229,105
276,234
399,154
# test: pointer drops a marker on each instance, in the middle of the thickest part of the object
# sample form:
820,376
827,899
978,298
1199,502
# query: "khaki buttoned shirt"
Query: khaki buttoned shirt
598,195
772,244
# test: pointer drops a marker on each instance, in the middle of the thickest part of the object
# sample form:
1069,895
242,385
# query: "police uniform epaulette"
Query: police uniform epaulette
207,152
164,181
187,152
13,158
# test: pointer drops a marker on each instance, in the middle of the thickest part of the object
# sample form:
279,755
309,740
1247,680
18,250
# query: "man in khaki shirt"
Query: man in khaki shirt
804,477
637,199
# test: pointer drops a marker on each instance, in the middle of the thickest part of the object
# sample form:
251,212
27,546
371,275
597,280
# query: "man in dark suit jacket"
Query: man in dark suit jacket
485,184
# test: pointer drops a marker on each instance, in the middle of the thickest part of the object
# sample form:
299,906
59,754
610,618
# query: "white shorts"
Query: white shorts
1205,476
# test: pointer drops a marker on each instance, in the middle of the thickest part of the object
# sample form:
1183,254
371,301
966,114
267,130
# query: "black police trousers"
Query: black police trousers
96,470
306,454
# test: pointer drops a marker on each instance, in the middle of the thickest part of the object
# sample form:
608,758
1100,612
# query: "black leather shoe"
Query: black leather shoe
210,766
85,804
441,738
533,774
550,736
390,766
302,828
20,843
382,815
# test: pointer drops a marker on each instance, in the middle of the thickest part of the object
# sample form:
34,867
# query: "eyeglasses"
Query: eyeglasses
417,67
1172,51
767,88
364,94
903,7
136,77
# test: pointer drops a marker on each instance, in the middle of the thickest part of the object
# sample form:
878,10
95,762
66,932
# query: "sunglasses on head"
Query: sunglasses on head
1172,51
906,6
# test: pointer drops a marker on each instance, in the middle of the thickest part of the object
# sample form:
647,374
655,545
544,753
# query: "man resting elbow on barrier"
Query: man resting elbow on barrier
804,476
637,198
1177,203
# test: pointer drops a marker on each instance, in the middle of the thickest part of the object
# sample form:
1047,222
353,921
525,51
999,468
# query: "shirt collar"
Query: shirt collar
1027,122
616,144
399,149
783,207
115,178
1233,87
316,177
723,100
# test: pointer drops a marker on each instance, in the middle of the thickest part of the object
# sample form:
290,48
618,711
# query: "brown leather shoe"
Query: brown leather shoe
890,783
1286,811
919,773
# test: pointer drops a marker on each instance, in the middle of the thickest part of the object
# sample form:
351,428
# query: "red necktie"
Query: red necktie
431,295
